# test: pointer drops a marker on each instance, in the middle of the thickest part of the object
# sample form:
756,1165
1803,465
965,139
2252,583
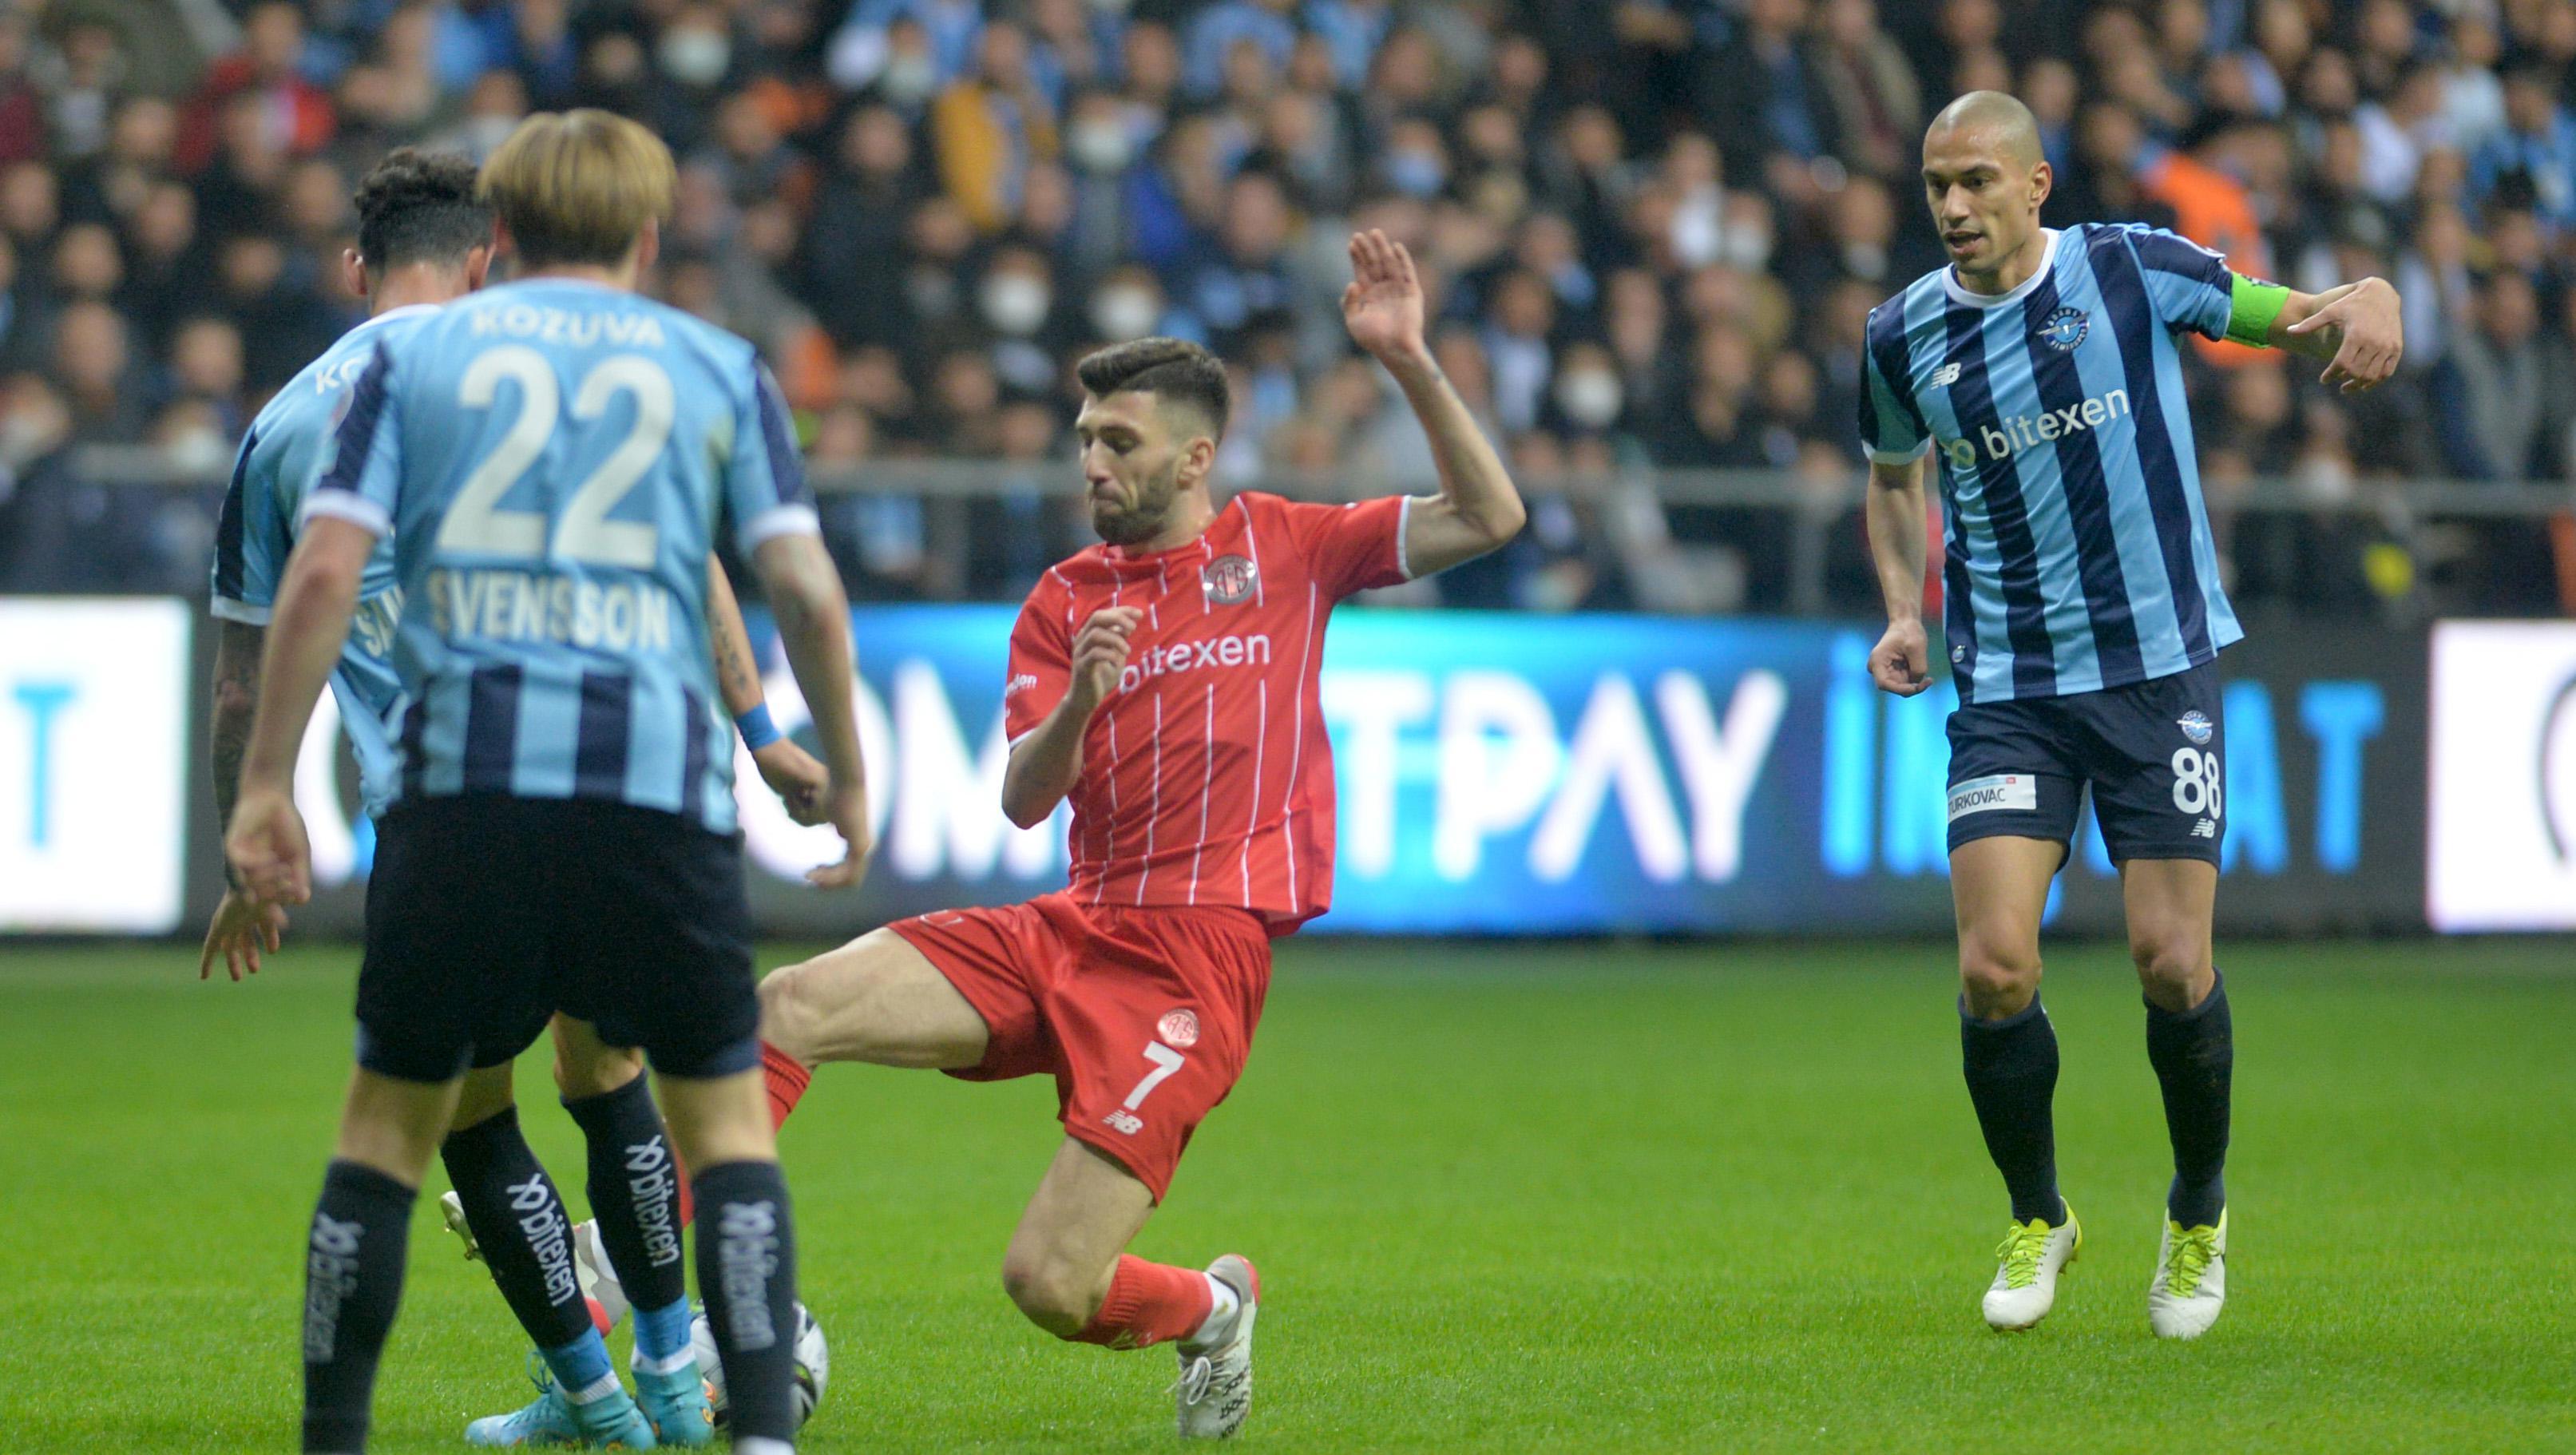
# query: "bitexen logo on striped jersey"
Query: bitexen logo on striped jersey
2022,431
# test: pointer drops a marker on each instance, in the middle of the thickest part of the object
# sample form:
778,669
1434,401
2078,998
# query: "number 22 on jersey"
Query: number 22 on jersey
584,533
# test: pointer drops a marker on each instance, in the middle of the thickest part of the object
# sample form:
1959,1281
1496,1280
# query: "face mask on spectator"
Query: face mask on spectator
1123,313
695,56
197,448
1591,397
1099,146
1415,173
481,136
909,79
1016,303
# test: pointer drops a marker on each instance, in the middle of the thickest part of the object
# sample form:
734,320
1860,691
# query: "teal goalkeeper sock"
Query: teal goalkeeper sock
662,1334
581,1368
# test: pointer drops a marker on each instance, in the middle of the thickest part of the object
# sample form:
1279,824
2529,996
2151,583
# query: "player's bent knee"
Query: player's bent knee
787,1011
1997,980
2169,968
1055,1296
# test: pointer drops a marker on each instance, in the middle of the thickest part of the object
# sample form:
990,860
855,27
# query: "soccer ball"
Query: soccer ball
813,1363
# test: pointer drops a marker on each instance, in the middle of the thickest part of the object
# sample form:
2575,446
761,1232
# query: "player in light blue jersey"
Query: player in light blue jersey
553,461
2083,612
424,239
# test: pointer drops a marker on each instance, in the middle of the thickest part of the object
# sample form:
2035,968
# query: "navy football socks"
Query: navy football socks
2194,1053
2011,1066
635,1195
747,1277
518,1221
353,1274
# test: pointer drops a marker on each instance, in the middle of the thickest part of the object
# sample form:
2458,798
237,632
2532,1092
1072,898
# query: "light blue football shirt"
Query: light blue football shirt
2079,555
553,461
280,458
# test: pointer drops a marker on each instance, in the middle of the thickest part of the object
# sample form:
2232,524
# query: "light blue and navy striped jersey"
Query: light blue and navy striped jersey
2078,550
280,458
553,461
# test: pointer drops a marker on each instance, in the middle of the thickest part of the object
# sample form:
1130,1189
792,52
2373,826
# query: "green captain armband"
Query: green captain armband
2254,306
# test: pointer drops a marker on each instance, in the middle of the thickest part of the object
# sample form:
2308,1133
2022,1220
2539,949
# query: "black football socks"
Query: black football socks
635,1195
747,1278
2011,1066
353,1274
518,1221
2194,1053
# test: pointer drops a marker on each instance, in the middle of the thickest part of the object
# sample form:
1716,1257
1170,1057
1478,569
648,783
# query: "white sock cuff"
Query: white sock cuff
760,1445
598,1389
1223,1305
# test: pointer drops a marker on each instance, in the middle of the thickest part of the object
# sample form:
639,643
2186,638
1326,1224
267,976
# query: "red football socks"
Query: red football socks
1149,1303
786,1082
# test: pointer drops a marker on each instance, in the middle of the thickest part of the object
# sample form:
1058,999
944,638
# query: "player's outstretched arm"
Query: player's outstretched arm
2358,329
790,771
1901,662
242,926
814,623
1477,509
265,842
1047,762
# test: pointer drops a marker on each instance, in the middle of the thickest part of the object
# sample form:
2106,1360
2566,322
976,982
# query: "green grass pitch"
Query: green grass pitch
1580,1198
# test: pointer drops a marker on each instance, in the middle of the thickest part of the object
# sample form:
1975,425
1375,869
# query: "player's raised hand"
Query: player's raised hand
1383,305
1901,662
243,926
2370,334
798,778
845,807
271,858
1100,654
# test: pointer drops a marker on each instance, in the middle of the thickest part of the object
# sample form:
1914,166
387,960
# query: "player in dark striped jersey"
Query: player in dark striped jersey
2082,611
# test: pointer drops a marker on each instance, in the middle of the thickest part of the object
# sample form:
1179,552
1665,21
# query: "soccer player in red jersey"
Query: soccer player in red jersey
1166,683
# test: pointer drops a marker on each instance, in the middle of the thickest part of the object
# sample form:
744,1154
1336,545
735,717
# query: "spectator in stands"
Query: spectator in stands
990,127
266,74
1875,104
102,388
2533,158
2505,414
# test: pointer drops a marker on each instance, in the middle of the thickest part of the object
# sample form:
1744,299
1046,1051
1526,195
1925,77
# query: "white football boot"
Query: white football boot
598,1280
452,1209
1215,1388
2190,1286
590,1265
2025,1286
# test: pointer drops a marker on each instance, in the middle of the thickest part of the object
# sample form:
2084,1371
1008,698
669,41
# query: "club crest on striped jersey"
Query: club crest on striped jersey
1178,1029
2063,329
1229,580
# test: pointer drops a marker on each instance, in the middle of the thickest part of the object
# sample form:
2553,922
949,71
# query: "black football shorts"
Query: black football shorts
2150,752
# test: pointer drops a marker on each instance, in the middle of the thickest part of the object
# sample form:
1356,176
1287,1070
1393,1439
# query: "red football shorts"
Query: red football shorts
1142,1015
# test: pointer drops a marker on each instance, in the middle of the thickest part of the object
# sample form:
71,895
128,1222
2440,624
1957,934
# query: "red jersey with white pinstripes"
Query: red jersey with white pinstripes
1207,777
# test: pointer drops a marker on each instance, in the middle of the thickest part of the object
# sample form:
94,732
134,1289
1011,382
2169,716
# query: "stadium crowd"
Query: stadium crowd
1653,229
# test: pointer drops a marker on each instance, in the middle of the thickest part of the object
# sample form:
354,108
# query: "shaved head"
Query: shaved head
2000,121
1985,176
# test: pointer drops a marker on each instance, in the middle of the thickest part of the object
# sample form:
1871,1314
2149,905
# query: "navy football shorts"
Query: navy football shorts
487,914
2150,752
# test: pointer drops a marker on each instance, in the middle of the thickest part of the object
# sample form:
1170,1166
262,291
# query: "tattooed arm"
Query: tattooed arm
790,771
